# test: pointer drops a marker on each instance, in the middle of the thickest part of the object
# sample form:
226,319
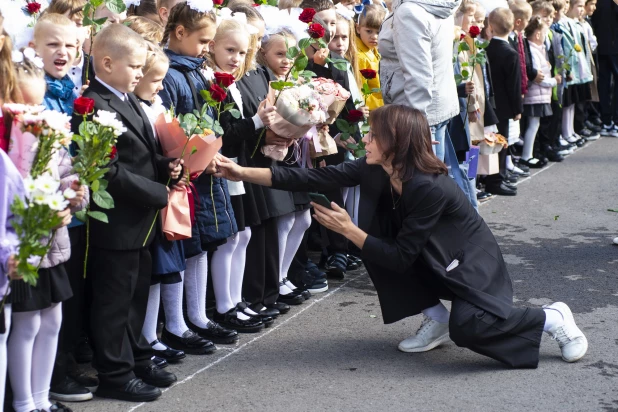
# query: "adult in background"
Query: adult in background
416,70
421,240
605,25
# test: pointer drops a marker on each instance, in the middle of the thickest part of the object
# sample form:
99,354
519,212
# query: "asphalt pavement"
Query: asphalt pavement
333,353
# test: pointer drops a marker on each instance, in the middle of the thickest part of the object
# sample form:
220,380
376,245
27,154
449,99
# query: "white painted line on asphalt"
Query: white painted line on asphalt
268,332
544,169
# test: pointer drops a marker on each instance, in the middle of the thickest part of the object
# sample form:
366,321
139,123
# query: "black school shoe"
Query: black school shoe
279,306
190,342
69,390
135,390
231,321
299,290
216,333
258,311
336,265
169,354
160,362
154,375
58,407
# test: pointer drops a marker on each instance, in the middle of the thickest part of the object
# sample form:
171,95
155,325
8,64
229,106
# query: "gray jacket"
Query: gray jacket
416,44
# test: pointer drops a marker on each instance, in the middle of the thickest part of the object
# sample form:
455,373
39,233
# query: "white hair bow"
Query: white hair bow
28,54
201,6
130,3
226,13
344,12
277,20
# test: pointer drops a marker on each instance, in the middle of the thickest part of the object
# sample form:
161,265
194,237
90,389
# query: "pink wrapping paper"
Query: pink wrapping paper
176,216
173,139
22,149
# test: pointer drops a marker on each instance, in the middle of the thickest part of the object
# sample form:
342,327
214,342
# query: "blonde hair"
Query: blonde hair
558,5
26,70
520,8
148,29
541,6
233,3
155,55
9,92
223,31
464,8
268,41
351,53
54,19
372,17
288,4
116,40
501,21
480,12
183,15
75,8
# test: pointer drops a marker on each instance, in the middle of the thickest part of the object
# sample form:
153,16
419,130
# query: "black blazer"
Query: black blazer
439,225
137,176
506,79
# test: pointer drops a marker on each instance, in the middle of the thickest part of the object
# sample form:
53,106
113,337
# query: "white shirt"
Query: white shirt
75,73
121,96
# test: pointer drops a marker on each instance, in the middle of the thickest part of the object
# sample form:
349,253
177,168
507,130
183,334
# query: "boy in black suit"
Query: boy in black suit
119,265
506,77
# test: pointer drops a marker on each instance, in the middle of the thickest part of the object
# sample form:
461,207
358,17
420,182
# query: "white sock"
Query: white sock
3,357
302,221
509,162
196,277
20,346
530,136
171,295
242,316
439,313
284,289
568,115
284,226
553,318
238,267
152,316
44,354
221,268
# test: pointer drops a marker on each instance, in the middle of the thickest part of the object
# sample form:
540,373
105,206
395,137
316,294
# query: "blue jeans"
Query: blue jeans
438,132
470,190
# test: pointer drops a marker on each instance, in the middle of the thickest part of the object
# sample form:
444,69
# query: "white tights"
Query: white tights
291,228
32,351
195,279
3,358
530,136
221,267
568,117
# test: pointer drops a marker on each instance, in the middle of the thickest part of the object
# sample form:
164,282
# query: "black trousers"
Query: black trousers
261,282
513,341
549,129
120,287
495,180
579,120
299,263
608,95
74,309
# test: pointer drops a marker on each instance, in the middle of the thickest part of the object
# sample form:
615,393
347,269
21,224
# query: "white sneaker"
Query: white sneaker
609,130
616,241
428,336
573,344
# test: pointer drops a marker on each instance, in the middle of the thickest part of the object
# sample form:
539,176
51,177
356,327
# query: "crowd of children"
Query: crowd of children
248,251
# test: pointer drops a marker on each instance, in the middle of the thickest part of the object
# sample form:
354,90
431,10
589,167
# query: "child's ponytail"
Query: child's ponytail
192,20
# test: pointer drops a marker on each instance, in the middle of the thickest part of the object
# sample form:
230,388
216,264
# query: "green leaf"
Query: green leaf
103,199
100,21
308,73
465,74
342,125
218,129
228,106
100,216
280,85
115,6
376,90
292,52
193,150
301,63
304,43
235,113
482,45
102,184
458,78
81,215
95,186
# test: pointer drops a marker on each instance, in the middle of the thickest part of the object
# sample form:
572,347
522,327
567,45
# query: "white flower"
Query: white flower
69,193
34,260
47,184
29,185
108,119
201,6
57,121
38,197
57,202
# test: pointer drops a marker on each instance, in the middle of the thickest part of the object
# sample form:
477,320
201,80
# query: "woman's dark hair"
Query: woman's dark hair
403,135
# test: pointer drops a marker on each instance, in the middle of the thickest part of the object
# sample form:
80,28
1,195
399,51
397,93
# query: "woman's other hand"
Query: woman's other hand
336,219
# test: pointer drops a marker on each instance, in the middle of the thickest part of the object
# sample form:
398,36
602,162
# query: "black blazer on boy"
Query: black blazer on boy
137,175
506,78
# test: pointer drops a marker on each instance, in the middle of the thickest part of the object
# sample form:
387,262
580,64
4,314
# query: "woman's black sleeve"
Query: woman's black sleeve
346,174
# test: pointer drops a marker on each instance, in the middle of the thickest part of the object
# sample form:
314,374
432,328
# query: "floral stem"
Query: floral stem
91,37
214,208
87,244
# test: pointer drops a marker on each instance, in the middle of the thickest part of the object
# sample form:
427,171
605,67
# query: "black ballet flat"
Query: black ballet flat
169,354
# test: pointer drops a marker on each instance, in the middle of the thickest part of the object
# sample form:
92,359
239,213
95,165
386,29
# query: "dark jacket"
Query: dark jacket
605,26
438,225
531,72
181,88
137,176
506,78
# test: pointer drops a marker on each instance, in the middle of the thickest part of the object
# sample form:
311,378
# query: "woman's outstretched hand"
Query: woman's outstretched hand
227,169
336,219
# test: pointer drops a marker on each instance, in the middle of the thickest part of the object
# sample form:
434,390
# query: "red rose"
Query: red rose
217,93
224,79
368,74
83,105
316,31
462,36
307,15
217,2
33,8
113,153
355,116
474,31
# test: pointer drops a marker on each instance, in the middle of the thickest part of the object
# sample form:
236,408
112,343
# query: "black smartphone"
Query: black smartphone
320,200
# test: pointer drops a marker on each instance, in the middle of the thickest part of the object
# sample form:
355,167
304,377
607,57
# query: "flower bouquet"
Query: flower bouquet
36,136
299,108
334,97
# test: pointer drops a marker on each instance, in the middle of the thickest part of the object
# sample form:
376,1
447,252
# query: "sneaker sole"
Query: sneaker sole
442,339
70,398
128,398
319,290
568,316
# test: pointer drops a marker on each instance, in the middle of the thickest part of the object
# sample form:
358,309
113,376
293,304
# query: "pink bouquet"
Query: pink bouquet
333,96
